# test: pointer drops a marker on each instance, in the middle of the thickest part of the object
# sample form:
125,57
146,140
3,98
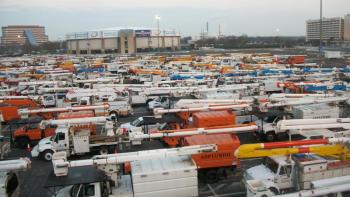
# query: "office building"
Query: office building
22,34
332,29
347,27
122,40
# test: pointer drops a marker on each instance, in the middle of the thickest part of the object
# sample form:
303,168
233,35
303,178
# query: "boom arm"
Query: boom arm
160,111
299,124
62,109
188,132
100,119
61,165
16,164
328,147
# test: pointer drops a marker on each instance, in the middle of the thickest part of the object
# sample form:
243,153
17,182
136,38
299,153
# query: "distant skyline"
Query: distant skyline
189,17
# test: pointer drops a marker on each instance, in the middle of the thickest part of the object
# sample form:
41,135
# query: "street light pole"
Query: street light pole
158,32
320,49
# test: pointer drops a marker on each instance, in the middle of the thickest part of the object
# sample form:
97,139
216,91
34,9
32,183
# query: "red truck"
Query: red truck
32,133
215,165
9,108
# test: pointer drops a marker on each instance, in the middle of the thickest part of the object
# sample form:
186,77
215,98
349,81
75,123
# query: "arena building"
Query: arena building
122,40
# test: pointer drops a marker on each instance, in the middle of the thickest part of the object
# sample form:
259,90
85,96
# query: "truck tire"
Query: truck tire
22,142
274,190
103,150
114,114
212,176
47,155
148,100
270,136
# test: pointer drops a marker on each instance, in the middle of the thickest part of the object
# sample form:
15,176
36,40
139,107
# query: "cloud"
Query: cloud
93,4
253,17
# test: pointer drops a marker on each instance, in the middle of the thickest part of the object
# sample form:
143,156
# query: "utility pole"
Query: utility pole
207,30
158,31
320,49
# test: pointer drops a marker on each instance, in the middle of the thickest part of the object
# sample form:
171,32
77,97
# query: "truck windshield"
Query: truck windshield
76,191
271,164
49,98
52,138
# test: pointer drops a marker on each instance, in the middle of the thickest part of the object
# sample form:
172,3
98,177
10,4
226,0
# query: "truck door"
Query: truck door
61,142
284,178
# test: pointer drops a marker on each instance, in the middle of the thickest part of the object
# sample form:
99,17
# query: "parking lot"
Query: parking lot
32,181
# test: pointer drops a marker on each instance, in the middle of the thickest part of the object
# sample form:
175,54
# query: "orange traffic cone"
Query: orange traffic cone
29,149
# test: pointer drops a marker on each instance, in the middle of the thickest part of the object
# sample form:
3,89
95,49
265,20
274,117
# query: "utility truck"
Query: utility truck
292,165
118,101
32,133
153,173
74,136
294,108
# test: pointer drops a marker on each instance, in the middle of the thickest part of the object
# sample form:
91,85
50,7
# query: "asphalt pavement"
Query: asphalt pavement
33,180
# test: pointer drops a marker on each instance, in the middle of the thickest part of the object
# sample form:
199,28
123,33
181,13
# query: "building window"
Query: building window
126,51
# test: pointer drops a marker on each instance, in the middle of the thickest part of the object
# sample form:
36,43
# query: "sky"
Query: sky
189,17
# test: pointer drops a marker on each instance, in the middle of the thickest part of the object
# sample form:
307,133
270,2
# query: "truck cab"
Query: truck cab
29,91
150,122
266,128
162,102
276,172
49,100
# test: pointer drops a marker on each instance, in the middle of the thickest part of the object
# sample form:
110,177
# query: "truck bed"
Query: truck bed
95,139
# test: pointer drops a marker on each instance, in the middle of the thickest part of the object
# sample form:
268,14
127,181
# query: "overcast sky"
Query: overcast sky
189,17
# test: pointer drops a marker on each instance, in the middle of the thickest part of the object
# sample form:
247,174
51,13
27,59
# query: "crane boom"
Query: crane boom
62,109
16,164
160,111
61,165
299,124
327,147
303,101
100,119
189,132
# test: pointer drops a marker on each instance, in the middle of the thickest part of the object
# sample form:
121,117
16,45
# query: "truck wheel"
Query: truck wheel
149,100
270,136
274,190
212,176
22,142
114,115
103,151
47,155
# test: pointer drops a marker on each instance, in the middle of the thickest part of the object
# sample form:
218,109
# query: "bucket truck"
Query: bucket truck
156,173
9,107
117,100
32,133
310,125
74,136
186,109
281,173
298,106
8,178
